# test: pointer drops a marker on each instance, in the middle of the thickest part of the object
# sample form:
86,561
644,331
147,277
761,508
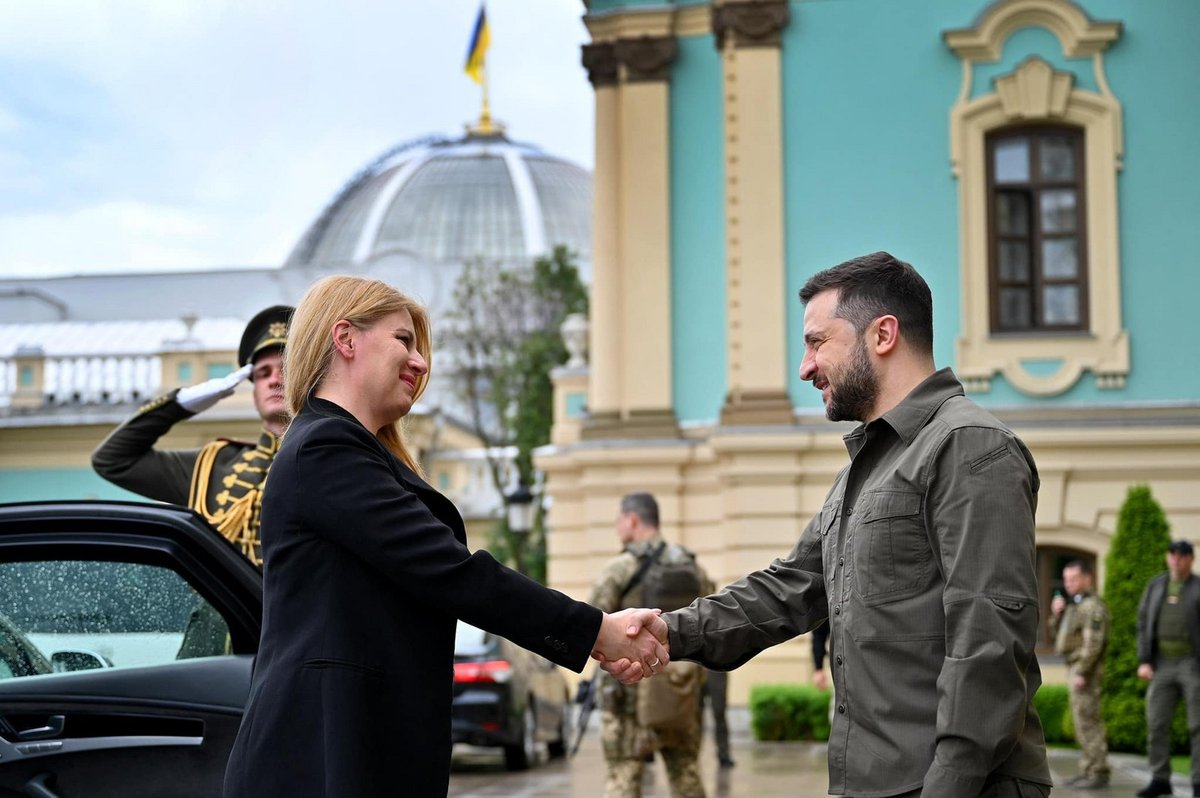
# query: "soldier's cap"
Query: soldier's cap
267,330
1181,547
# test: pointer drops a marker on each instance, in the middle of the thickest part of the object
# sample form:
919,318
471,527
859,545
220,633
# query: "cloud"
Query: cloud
109,237
127,127
9,123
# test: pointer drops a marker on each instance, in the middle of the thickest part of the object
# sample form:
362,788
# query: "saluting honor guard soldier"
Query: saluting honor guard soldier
1081,625
224,479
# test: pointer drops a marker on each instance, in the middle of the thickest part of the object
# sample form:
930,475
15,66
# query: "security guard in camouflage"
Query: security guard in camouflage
626,743
223,480
1081,635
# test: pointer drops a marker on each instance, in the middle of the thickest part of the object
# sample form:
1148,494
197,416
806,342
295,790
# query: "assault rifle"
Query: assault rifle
585,696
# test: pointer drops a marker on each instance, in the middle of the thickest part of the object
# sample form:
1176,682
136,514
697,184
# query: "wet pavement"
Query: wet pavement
764,770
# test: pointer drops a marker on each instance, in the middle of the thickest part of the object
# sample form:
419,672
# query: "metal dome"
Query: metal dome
438,200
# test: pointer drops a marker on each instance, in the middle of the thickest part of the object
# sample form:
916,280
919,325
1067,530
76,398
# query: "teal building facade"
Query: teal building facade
1033,159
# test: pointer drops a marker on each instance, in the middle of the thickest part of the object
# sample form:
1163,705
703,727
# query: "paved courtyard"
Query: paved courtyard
764,770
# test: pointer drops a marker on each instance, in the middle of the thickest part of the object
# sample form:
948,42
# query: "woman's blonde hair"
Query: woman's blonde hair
309,350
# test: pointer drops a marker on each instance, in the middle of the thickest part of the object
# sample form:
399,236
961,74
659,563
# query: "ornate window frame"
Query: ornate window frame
1029,231
1035,92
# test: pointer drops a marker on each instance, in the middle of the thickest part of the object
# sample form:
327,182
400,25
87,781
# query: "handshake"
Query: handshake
632,644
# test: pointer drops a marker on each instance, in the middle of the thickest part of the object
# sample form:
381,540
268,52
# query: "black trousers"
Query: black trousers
716,688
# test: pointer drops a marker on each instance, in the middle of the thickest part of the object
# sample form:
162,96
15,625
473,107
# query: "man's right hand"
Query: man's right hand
1145,671
648,622
629,647
820,680
1057,605
198,398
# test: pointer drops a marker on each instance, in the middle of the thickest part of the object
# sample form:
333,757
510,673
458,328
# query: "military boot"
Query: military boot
1155,788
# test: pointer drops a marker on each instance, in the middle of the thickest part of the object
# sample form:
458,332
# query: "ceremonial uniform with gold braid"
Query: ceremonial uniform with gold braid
223,480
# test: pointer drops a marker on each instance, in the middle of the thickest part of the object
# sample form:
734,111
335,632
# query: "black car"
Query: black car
508,697
126,647
127,637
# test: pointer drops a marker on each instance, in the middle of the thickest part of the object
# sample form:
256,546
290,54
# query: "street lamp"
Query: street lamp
520,510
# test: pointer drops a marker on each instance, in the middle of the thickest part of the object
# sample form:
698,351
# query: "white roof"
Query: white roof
116,338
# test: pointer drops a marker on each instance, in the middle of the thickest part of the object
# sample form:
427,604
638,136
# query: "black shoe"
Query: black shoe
1196,789
726,762
1155,788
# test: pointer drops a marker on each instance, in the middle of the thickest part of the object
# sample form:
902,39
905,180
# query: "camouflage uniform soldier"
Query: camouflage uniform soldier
626,743
1082,636
223,480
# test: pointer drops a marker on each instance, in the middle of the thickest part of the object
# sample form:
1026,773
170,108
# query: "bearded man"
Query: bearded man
922,559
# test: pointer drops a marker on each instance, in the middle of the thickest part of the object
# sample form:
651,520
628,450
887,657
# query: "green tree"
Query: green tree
502,340
1135,556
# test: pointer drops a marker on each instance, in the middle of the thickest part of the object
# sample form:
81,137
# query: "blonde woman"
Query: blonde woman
367,568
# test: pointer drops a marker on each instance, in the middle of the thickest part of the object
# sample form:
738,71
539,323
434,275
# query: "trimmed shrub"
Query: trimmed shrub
1052,702
1137,553
789,712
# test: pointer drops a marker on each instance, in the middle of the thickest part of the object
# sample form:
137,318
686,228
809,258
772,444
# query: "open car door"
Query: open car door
127,636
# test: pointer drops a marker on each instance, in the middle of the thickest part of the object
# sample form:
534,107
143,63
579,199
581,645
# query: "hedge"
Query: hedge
789,712
1052,703
801,712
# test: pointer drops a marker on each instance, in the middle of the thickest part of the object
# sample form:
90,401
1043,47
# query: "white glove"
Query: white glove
198,398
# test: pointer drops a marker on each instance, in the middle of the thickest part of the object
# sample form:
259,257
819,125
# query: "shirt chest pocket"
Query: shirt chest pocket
892,559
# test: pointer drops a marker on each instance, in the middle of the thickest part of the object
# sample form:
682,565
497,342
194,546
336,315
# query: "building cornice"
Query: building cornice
750,23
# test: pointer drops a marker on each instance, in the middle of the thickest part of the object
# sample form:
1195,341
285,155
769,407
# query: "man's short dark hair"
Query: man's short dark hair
643,505
1083,566
877,285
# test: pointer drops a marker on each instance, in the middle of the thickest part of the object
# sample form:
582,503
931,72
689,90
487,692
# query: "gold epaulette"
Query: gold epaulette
156,403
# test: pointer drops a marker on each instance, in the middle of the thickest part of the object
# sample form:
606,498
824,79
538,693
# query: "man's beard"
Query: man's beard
857,388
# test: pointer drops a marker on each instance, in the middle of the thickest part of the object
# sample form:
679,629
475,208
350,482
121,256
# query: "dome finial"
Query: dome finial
486,126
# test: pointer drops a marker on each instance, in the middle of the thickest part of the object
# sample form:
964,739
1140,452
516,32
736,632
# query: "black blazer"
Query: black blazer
1151,604
366,569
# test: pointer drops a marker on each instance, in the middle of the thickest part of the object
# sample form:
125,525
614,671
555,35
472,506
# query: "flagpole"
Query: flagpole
485,118
476,67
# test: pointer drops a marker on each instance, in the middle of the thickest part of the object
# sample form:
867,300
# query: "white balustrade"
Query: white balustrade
88,379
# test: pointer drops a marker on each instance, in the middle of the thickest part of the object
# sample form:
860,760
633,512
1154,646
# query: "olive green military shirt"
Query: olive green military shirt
922,558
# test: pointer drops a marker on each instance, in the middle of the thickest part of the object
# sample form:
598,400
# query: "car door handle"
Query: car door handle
39,786
53,728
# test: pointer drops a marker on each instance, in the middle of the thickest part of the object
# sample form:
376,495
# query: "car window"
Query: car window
18,658
470,641
81,615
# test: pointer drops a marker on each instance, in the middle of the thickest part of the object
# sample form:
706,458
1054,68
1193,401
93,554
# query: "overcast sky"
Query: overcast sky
174,134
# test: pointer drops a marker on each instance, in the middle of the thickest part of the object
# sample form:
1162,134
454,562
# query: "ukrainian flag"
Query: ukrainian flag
480,40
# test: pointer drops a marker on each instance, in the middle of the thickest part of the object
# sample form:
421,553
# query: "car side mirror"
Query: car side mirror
77,660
